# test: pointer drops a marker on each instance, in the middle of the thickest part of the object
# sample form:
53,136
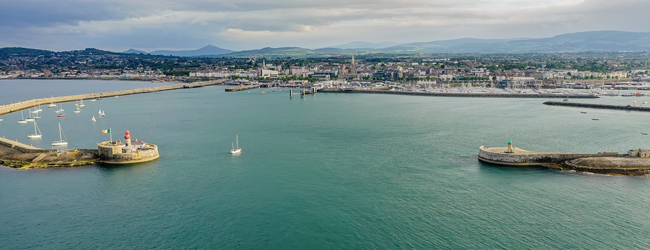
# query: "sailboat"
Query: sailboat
236,150
52,105
81,103
36,116
60,142
22,121
60,110
37,133
77,110
100,112
103,113
30,119
61,114
93,120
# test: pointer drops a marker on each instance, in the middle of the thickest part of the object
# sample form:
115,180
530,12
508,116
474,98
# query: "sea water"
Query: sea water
327,171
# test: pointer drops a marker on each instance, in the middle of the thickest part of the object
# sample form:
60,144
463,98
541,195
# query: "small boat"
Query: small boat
236,150
100,112
30,119
263,92
103,113
22,121
583,112
60,142
35,111
99,99
77,110
61,115
81,104
644,133
52,105
60,110
595,119
93,120
37,133
92,100
36,117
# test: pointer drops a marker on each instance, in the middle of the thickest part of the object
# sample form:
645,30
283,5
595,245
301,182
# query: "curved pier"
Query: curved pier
598,106
5,109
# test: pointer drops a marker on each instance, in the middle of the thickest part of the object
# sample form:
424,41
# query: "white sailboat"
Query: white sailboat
60,142
93,120
81,104
60,110
236,150
22,121
30,119
52,105
100,112
103,113
37,132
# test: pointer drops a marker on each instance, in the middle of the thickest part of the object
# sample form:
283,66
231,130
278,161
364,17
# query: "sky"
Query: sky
118,25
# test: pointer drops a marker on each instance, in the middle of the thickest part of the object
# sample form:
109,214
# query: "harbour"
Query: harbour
414,169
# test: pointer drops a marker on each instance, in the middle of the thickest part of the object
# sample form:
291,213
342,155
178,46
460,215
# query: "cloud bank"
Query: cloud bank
248,24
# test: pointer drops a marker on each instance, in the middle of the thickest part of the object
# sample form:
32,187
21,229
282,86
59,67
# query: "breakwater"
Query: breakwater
598,106
492,95
522,157
635,162
4,109
240,88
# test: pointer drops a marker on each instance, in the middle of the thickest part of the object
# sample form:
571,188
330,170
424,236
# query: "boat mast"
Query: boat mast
237,139
60,137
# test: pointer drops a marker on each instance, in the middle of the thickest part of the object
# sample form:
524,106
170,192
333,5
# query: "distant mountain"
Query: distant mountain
205,51
135,51
275,52
365,45
596,41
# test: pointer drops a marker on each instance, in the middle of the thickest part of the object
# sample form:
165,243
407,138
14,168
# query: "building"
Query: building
118,152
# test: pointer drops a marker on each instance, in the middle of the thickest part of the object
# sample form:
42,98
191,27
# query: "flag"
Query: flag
106,131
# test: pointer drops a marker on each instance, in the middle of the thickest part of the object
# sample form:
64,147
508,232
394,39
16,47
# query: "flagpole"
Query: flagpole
110,133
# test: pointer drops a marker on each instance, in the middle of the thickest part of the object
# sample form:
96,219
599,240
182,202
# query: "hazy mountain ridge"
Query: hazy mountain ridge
592,41
208,50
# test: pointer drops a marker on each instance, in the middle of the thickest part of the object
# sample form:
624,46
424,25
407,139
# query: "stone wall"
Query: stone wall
26,150
535,158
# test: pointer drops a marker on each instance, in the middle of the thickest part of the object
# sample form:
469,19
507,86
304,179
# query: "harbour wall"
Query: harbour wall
22,147
598,106
535,158
492,95
5,109
241,88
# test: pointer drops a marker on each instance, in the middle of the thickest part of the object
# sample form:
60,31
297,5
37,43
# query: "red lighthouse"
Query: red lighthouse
127,137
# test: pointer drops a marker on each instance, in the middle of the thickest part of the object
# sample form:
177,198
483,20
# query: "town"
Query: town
586,70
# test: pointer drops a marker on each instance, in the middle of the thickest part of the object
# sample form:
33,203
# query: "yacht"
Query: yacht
236,150
60,142
22,121
30,119
37,133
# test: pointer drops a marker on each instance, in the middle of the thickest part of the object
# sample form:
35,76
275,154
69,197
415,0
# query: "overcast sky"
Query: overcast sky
118,25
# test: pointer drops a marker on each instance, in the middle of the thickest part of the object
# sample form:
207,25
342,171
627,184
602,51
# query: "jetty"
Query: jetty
598,106
15,154
241,88
459,94
635,162
5,109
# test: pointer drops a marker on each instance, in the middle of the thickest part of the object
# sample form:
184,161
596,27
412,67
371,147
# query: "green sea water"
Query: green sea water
330,171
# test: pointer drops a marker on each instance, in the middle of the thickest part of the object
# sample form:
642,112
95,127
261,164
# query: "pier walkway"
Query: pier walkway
599,106
493,95
22,147
5,109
